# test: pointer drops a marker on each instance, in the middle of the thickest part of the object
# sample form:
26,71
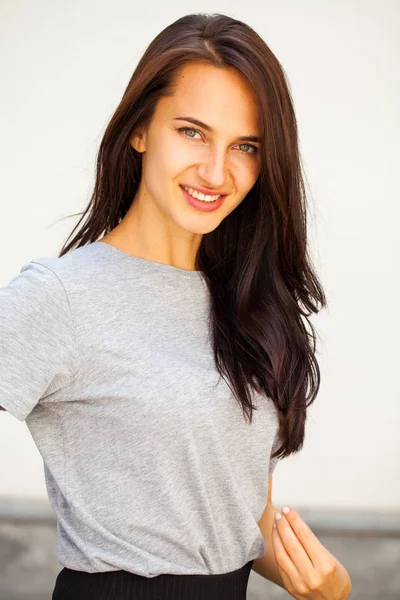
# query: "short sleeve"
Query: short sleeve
274,461
36,339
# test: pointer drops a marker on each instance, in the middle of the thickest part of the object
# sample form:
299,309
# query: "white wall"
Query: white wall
64,67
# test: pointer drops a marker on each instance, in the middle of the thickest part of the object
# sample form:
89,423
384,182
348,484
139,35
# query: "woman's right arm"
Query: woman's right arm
37,349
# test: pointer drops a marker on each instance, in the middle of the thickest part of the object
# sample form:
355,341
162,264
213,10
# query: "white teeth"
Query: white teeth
200,196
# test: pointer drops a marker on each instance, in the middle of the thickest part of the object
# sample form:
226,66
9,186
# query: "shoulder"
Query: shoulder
42,284
71,263
58,273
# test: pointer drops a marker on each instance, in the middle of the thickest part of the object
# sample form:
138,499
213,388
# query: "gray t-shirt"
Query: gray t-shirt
149,463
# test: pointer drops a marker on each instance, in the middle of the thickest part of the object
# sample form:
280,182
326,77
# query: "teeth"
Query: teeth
200,196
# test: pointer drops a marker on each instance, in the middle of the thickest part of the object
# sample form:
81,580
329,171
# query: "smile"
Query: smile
194,199
200,196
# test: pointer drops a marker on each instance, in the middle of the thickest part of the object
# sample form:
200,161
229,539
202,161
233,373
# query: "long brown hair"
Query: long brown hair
255,262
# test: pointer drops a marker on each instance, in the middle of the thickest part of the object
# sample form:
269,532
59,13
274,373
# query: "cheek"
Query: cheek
245,170
162,169
168,160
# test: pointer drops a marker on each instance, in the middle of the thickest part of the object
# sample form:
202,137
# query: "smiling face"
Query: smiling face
218,155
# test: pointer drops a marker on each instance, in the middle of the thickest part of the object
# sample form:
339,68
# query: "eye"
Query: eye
254,148
182,129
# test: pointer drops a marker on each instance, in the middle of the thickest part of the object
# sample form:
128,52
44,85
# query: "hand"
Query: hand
308,570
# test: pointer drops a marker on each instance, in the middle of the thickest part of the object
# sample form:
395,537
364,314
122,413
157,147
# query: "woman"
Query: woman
162,368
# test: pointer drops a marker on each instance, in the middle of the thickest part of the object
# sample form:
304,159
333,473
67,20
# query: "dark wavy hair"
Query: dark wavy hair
256,262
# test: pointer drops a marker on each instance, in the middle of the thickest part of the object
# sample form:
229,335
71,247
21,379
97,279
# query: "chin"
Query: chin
203,230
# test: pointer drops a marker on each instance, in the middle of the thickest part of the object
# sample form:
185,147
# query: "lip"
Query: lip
202,206
204,190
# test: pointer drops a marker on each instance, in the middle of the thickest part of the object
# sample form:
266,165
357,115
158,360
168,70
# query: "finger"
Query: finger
283,560
294,548
316,552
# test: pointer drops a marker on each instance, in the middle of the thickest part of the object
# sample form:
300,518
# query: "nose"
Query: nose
213,169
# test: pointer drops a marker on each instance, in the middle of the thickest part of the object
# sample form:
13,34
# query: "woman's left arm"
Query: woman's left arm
309,571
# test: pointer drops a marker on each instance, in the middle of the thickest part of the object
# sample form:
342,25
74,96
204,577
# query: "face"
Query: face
218,155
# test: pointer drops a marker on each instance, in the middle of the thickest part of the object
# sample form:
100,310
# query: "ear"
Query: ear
138,141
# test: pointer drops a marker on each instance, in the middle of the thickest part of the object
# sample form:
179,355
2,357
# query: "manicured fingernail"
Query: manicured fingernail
285,510
278,516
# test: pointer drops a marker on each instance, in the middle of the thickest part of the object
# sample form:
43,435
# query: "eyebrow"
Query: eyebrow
244,138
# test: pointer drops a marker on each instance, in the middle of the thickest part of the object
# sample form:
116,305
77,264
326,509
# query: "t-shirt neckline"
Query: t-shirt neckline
149,264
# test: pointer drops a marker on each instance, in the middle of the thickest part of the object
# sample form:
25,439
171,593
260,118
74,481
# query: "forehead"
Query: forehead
220,97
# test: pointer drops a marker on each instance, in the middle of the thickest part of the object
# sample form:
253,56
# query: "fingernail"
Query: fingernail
278,516
274,524
285,510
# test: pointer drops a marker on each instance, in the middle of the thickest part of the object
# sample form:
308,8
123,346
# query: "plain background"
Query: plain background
64,67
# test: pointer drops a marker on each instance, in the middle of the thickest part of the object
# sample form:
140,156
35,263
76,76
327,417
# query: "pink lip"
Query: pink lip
202,206
205,190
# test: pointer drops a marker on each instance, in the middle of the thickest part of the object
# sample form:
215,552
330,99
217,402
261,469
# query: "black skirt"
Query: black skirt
122,585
